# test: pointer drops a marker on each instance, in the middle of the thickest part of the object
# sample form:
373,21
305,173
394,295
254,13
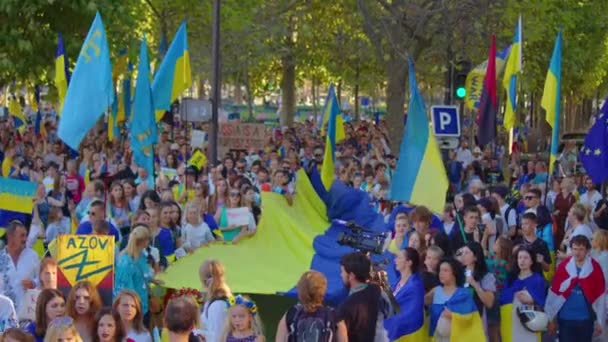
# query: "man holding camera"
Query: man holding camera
365,308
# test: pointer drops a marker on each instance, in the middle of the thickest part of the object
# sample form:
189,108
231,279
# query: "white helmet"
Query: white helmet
533,318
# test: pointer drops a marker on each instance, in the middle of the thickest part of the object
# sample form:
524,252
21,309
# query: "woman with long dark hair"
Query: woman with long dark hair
409,294
525,285
478,277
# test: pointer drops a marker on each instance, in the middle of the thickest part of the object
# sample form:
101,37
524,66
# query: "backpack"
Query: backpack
317,327
517,218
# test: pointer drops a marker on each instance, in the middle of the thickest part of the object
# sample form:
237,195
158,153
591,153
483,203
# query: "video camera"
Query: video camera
370,242
361,238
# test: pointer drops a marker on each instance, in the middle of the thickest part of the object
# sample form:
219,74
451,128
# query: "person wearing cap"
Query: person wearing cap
477,156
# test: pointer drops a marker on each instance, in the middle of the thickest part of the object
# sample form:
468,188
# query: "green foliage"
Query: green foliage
29,29
585,39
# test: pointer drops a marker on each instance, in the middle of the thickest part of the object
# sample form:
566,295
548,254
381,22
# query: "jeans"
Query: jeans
579,331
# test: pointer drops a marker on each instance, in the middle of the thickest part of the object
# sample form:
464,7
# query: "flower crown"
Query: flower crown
240,300
195,294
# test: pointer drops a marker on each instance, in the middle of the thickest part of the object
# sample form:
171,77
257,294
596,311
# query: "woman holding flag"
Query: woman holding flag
408,324
525,286
453,313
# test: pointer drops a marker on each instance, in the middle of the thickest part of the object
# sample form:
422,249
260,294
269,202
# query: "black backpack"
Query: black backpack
319,326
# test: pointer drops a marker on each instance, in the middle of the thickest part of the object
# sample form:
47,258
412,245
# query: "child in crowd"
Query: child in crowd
243,322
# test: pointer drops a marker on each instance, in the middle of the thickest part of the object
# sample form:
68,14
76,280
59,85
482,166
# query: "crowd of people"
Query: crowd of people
510,233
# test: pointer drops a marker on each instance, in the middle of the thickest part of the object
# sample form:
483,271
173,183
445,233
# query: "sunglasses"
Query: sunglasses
234,194
529,198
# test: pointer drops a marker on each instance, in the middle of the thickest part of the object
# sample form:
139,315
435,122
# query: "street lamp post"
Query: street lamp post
216,90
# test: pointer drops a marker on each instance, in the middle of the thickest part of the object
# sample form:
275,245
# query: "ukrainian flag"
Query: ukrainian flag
420,177
14,109
291,242
335,133
511,329
551,97
327,114
61,72
16,195
90,91
174,74
466,322
408,324
510,79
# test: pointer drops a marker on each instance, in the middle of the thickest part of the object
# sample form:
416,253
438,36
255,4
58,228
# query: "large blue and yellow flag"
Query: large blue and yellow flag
90,91
16,195
335,133
510,79
552,96
15,110
327,110
62,74
408,324
174,74
143,125
511,329
420,177
466,322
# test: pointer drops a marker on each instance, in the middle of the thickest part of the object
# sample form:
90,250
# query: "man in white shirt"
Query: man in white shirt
19,265
590,199
463,153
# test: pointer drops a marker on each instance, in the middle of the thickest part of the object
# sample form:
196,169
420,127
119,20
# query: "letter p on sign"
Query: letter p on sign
446,121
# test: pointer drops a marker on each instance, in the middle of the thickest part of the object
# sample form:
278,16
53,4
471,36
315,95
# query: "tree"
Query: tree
28,33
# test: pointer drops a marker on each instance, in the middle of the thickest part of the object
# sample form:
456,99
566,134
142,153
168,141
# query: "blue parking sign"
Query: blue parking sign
446,122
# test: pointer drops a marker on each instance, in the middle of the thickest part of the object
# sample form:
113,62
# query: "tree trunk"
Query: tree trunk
201,88
395,101
288,80
315,108
249,94
357,74
288,89
238,90
339,93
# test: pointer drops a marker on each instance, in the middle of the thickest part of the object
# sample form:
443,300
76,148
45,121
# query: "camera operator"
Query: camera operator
365,308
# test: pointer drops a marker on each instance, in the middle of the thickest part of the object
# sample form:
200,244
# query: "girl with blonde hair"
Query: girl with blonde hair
132,270
195,232
243,323
62,329
82,305
217,292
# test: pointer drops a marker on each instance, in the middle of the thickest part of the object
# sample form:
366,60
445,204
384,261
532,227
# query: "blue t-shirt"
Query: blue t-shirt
575,308
164,242
87,228
454,171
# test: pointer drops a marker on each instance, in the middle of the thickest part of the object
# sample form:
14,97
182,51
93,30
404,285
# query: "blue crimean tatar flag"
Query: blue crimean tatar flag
90,91
594,154
143,124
